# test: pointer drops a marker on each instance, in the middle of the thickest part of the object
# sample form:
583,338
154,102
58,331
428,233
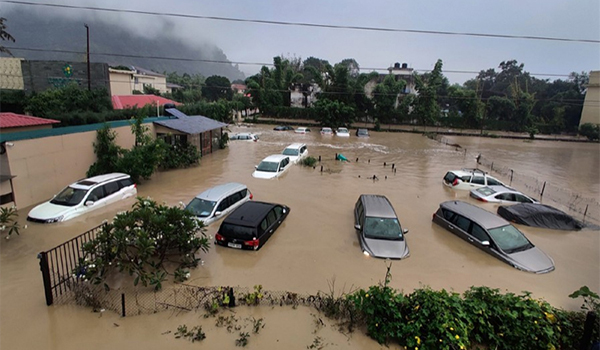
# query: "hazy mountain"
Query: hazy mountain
47,31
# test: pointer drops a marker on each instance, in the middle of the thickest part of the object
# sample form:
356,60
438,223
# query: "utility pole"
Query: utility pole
89,79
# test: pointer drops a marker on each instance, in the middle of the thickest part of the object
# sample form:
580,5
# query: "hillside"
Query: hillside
32,30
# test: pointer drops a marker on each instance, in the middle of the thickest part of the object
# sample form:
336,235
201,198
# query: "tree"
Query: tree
468,105
217,87
5,36
426,107
385,97
333,113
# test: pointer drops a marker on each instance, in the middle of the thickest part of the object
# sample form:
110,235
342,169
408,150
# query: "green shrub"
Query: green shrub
309,161
591,131
9,220
180,156
139,241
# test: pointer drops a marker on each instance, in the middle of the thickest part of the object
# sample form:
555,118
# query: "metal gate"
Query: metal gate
57,265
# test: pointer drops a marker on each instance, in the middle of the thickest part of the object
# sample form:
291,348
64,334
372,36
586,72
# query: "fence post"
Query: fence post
492,167
511,176
543,188
585,212
588,329
123,304
45,268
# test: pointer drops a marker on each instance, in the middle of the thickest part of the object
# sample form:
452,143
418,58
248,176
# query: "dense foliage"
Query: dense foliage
54,102
591,131
9,221
430,319
180,156
141,241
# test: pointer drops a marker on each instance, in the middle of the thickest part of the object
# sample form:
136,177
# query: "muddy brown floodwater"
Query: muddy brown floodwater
317,243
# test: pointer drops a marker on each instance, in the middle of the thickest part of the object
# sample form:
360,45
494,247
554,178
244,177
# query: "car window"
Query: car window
509,239
462,222
97,194
493,182
264,225
466,178
236,197
480,180
521,198
271,218
382,228
125,182
235,231
111,188
479,233
486,191
278,212
200,207
449,177
69,196
270,167
448,215
223,205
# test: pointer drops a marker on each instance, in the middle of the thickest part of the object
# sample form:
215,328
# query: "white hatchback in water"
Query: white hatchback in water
84,196
342,132
272,166
296,151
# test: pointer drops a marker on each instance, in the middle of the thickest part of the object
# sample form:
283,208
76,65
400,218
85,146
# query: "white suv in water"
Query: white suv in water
84,196
468,179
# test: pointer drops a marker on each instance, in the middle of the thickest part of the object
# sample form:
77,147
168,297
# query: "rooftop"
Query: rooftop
13,120
139,101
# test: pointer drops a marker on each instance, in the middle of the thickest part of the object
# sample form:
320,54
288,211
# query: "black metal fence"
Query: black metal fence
59,263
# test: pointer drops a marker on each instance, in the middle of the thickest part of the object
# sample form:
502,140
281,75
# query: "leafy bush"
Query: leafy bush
309,161
180,156
9,220
139,241
591,131
71,98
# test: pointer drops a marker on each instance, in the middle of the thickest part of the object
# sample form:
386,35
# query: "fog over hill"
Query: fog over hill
139,38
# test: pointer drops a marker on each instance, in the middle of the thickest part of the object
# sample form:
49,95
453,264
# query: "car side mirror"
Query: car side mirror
89,203
485,243
357,226
284,211
405,231
218,213
256,167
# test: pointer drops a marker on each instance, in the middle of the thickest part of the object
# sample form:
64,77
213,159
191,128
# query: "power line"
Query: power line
185,59
305,24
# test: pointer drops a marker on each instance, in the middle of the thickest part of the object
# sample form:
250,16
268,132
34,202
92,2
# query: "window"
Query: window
97,194
223,205
506,197
271,217
125,182
448,215
234,198
264,225
462,222
466,178
521,198
479,233
480,180
111,188
278,212
493,182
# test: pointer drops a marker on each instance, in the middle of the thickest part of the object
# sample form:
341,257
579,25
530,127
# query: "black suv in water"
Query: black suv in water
251,225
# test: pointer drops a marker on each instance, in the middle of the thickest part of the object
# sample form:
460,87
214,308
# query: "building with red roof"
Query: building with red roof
12,122
139,101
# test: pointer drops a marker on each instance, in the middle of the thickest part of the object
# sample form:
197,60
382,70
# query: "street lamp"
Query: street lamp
89,79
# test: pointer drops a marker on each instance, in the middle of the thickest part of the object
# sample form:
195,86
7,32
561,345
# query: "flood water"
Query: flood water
317,243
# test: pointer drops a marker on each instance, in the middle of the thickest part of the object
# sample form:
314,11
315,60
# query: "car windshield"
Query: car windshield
69,196
200,207
235,231
509,239
270,167
290,151
344,130
486,191
383,228
362,132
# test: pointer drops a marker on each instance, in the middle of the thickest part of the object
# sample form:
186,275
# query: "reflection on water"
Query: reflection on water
317,243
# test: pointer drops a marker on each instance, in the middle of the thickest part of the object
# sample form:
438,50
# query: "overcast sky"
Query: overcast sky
253,42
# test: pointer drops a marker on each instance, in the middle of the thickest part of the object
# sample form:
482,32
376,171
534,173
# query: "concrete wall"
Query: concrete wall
27,128
42,75
44,166
120,83
591,105
11,74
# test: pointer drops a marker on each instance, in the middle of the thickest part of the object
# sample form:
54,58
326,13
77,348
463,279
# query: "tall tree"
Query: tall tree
5,36
385,97
426,107
217,87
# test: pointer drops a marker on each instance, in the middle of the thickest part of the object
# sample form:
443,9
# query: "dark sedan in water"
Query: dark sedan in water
493,235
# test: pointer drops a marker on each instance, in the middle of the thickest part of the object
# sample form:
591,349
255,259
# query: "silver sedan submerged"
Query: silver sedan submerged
493,235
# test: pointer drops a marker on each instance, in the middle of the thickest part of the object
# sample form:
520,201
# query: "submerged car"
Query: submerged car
244,137
500,194
283,128
296,151
540,215
379,231
272,166
251,225
342,132
327,131
362,133
302,130
218,201
84,196
493,235
467,179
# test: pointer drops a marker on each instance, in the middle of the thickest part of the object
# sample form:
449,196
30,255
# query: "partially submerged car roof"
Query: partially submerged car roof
481,216
295,145
376,205
215,193
539,215
89,182
249,214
